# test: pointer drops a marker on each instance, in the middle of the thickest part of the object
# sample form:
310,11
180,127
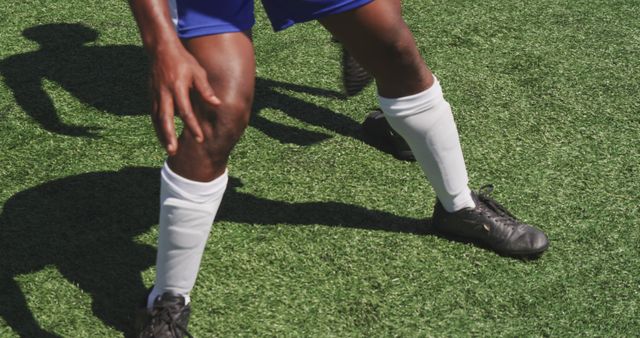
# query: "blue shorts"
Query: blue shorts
207,17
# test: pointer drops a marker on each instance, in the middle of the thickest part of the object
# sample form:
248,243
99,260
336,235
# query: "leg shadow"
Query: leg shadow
268,96
86,226
15,312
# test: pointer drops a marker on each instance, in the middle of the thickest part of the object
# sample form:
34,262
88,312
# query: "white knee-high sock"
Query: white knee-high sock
187,210
425,121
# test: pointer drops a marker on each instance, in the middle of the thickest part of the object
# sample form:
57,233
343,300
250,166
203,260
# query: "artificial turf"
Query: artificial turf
321,234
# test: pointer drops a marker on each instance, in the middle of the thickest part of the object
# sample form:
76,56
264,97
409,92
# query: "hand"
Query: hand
174,73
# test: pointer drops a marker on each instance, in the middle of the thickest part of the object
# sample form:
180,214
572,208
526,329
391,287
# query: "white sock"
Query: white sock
425,121
187,210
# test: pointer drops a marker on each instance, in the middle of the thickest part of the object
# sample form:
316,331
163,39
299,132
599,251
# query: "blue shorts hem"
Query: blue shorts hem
194,32
339,8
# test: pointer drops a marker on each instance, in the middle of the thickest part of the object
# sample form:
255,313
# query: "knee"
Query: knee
224,125
231,119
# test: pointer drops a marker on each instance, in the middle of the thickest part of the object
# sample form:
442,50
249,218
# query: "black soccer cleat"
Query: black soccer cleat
490,223
379,133
168,318
354,77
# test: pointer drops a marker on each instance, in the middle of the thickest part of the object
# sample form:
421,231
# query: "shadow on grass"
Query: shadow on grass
113,79
85,226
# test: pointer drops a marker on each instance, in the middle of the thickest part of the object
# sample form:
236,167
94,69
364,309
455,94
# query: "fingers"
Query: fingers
155,110
172,80
163,121
183,103
203,87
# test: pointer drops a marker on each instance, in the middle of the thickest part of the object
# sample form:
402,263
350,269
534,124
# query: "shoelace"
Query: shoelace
167,314
503,215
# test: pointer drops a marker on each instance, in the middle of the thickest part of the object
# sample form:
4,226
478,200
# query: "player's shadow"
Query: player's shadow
86,226
113,79
108,78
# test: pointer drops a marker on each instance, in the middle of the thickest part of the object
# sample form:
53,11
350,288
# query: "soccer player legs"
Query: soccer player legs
208,79
194,177
412,101
383,44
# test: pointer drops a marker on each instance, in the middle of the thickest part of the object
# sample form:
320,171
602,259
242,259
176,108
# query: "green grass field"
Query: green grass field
321,234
